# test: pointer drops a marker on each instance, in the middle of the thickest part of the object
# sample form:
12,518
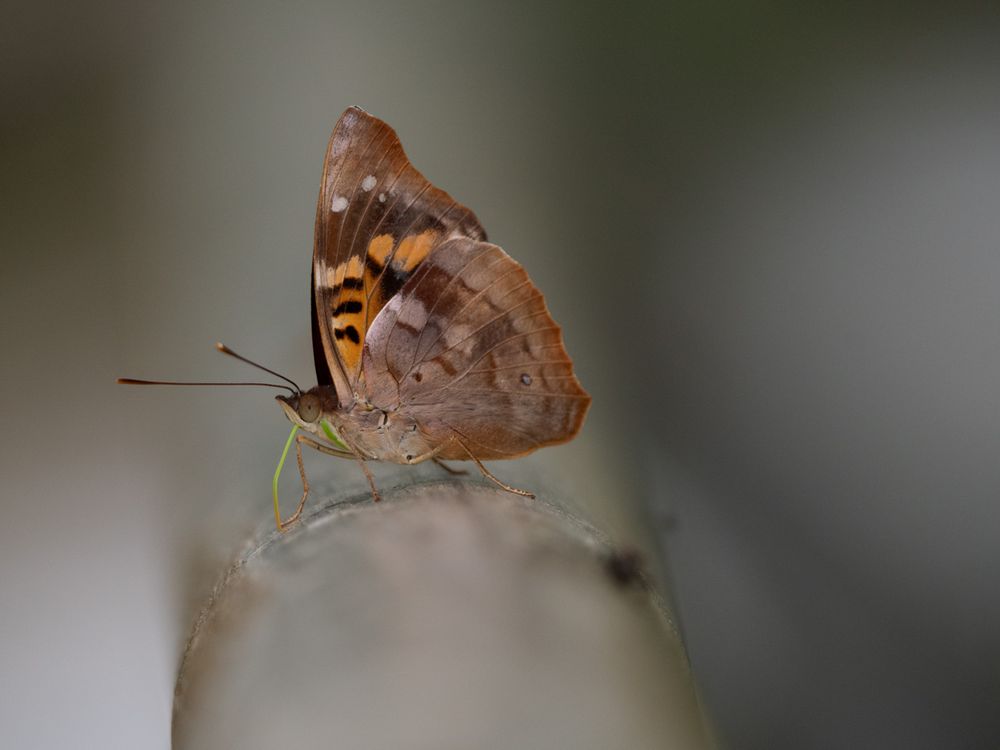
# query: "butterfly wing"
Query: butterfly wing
469,349
377,219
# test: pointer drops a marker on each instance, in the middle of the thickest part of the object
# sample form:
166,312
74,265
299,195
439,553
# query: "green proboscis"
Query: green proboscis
333,437
277,473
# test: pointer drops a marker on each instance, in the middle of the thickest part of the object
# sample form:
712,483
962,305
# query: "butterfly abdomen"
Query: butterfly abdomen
385,436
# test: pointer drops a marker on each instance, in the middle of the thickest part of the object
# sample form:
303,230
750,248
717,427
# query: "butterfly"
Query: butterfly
430,343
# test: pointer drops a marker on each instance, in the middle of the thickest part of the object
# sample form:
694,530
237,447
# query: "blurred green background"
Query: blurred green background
770,231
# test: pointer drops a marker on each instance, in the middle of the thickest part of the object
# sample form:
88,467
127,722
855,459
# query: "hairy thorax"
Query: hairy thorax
383,435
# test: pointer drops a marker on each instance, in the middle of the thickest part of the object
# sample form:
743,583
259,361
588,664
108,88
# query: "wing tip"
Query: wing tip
355,114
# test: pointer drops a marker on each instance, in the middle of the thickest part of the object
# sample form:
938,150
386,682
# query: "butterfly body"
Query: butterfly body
360,429
429,342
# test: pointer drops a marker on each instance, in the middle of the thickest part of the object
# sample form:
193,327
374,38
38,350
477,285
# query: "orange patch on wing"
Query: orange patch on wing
350,269
414,249
380,247
379,253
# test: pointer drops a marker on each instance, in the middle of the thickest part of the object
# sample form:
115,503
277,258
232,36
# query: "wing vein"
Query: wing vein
544,394
464,307
493,449
364,214
502,315
465,372
526,364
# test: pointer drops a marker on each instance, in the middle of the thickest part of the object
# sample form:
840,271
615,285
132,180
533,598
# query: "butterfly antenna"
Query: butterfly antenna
226,350
134,381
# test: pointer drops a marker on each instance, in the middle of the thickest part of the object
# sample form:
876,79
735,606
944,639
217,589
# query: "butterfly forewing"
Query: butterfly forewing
469,349
377,220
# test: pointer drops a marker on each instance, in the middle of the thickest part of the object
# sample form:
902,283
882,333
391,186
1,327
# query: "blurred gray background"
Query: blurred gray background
770,231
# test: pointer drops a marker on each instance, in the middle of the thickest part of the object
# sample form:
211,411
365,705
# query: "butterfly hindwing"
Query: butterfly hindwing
377,220
468,348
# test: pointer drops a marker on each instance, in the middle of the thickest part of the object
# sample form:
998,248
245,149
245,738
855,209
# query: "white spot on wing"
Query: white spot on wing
338,204
368,183
381,197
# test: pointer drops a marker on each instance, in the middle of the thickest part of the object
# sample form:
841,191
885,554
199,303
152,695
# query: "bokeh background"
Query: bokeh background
770,231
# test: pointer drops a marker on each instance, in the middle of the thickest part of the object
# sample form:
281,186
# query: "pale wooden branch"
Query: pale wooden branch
450,615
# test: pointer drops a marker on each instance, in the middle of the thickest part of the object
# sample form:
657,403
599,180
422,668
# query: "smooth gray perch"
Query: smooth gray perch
452,615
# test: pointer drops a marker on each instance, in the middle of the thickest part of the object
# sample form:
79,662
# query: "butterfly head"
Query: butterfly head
305,408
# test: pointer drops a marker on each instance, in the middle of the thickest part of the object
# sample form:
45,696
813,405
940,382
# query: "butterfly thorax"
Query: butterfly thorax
383,435
371,432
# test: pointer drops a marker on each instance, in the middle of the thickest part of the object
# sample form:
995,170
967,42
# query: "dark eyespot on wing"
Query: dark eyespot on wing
350,333
348,283
392,281
348,306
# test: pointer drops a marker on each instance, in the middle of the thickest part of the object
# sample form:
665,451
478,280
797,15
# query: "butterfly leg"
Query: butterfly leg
341,454
283,525
371,480
489,475
446,467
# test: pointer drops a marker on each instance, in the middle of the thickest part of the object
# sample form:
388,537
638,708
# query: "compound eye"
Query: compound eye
309,408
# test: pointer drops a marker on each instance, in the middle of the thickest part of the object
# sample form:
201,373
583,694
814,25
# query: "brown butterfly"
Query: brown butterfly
430,343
